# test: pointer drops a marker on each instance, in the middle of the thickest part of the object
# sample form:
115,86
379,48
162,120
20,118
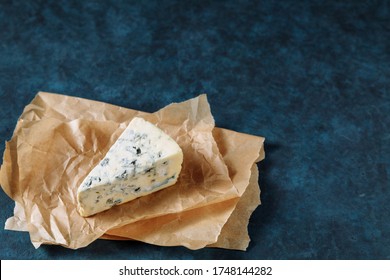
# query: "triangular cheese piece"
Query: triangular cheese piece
143,160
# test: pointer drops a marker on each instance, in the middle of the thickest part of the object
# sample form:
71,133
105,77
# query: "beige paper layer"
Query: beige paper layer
58,139
177,229
233,235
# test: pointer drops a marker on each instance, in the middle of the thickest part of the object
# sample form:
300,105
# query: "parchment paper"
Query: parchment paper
233,235
57,141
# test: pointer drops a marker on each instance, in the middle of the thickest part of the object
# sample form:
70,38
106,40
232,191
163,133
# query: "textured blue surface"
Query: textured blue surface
313,77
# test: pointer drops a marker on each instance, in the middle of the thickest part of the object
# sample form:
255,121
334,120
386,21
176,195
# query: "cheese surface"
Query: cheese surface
143,160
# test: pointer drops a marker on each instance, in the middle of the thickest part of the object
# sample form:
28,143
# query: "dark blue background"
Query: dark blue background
313,77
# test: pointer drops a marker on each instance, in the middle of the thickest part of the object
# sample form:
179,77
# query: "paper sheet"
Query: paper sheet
57,141
181,225
233,235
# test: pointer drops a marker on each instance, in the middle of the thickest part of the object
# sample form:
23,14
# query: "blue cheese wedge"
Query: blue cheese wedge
143,160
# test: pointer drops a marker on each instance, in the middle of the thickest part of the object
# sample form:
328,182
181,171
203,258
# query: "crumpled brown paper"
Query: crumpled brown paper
233,235
58,140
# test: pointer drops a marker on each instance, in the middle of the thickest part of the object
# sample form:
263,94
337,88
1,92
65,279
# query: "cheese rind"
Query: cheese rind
143,160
